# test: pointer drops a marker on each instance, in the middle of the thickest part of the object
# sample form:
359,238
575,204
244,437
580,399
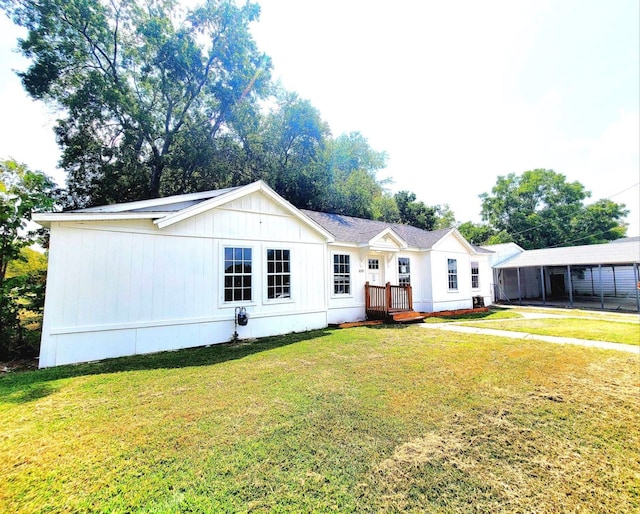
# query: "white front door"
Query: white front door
375,270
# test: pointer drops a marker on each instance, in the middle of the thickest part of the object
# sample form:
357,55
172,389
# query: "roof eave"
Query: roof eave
45,219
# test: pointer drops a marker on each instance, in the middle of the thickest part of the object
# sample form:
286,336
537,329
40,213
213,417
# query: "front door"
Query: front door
375,271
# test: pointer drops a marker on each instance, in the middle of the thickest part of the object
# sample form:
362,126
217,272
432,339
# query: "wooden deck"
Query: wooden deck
390,303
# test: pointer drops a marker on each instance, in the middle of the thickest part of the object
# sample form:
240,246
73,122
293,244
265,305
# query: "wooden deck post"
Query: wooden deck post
367,299
410,296
387,304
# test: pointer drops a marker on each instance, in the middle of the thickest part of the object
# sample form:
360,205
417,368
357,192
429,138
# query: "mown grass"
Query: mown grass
591,329
357,420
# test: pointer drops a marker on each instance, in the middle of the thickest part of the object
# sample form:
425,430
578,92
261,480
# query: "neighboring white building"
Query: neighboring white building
172,273
599,271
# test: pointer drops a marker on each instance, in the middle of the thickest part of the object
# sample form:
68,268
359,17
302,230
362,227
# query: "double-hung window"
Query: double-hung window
341,274
278,274
237,274
404,271
452,267
475,275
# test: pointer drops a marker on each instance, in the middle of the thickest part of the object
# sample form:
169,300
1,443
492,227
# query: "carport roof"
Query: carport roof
587,255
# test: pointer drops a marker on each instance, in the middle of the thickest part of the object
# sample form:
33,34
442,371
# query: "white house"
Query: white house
171,273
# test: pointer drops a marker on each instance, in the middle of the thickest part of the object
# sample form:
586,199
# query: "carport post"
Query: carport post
601,287
544,296
635,273
570,286
519,293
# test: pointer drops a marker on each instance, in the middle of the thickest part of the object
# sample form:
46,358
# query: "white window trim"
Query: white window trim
408,274
477,274
232,303
332,276
265,293
457,274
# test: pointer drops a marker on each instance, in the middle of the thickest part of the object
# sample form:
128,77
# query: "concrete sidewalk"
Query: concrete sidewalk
451,327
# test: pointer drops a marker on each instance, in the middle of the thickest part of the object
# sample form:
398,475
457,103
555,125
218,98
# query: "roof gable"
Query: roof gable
233,195
388,239
453,233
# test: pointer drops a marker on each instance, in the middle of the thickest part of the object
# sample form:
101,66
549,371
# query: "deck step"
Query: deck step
407,317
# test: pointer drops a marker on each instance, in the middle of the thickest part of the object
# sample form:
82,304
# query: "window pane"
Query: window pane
237,274
278,273
341,274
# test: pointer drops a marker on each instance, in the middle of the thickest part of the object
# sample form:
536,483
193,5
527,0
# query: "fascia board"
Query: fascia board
46,218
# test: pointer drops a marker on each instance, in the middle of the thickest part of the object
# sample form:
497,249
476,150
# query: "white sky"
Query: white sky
456,92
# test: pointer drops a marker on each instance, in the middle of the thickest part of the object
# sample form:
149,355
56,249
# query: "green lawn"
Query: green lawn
594,330
357,420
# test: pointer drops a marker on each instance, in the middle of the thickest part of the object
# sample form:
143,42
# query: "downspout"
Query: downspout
519,290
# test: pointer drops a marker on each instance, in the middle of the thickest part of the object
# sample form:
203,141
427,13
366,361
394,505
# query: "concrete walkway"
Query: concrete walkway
460,327
451,327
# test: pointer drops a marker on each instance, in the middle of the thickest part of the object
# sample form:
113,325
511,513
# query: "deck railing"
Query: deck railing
380,301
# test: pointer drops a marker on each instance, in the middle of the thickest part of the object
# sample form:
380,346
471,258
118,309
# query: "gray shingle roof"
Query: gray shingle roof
347,229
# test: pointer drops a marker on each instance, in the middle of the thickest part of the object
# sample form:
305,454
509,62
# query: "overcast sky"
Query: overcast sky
456,92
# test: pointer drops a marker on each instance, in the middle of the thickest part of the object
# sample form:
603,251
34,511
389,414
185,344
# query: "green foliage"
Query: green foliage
414,212
446,218
22,192
352,166
140,84
159,100
294,139
540,209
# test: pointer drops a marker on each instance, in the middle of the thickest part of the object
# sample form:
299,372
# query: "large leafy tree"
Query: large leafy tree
293,141
539,209
352,167
22,192
140,84
415,212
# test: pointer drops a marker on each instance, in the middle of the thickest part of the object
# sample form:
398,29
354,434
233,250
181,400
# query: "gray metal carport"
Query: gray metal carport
542,266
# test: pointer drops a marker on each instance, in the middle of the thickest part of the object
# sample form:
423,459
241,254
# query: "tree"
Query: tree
538,209
352,168
294,140
598,223
446,218
482,234
414,212
139,83
22,192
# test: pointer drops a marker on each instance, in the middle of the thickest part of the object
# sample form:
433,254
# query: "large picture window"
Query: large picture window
452,265
341,274
237,274
404,271
278,274
475,275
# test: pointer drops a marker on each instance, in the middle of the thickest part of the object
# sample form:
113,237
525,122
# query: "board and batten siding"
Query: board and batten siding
443,298
127,287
